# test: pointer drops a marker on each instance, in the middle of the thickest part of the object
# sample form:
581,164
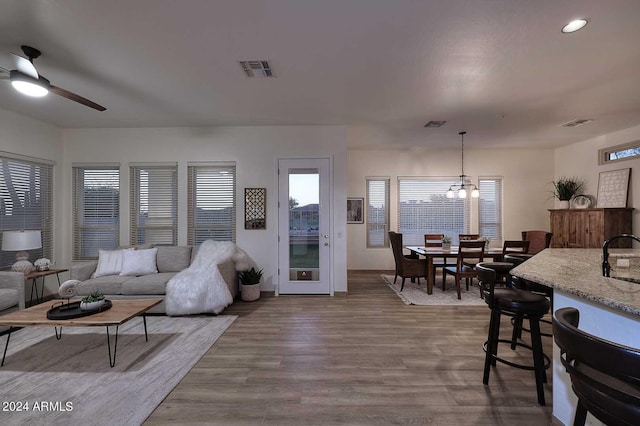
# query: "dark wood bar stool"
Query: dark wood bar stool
605,376
533,287
519,304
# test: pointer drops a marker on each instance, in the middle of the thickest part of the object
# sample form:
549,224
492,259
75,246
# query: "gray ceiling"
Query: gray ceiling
500,69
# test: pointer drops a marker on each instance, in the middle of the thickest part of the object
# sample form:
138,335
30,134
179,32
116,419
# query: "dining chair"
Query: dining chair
435,240
468,237
470,252
406,267
605,376
538,240
515,246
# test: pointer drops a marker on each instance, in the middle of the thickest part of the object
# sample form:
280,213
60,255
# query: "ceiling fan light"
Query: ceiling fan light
574,26
29,89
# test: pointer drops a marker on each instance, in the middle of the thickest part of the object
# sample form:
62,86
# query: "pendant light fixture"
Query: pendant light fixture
464,186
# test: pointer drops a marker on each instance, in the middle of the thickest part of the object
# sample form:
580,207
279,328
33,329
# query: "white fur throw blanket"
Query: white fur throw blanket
200,289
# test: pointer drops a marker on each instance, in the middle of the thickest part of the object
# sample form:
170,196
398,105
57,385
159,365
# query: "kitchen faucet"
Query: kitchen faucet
606,268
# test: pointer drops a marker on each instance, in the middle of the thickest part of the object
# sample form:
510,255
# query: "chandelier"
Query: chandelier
465,185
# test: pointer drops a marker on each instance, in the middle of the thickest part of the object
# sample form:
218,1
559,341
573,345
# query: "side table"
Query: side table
33,276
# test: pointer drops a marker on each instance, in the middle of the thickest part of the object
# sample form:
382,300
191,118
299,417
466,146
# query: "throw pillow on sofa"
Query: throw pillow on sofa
139,262
110,262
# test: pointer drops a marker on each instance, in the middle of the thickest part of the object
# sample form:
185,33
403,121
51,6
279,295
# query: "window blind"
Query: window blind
96,210
423,208
154,204
490,209
377,212
26,192
211,203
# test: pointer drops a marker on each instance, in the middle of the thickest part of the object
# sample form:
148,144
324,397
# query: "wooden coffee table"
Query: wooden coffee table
121,312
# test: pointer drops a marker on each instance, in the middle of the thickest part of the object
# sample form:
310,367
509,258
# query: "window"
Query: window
96,209
26,189
625,151
490,208
378,212
154,204
212,202
423,208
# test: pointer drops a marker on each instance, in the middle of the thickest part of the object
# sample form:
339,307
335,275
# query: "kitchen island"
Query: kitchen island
609,307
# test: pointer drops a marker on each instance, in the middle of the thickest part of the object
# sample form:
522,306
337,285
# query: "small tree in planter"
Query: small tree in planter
250,280
565,188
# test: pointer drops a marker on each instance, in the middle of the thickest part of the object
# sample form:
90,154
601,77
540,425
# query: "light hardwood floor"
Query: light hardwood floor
361,359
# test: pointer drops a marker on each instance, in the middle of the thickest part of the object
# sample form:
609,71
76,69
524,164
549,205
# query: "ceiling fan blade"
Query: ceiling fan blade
77,98
24,66
4,77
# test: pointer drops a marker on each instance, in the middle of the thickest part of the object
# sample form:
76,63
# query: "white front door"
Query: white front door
304,250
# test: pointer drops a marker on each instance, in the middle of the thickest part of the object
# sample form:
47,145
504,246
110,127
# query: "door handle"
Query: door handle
325,235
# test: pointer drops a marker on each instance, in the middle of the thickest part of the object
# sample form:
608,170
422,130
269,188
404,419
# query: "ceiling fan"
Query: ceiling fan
26,80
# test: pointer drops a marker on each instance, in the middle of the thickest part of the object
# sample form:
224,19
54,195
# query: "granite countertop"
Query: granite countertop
579,272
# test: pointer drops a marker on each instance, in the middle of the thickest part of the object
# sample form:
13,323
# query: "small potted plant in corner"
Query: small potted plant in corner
93,301
446,243
250,284
565,188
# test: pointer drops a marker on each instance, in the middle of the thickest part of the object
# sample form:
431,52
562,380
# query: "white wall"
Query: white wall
254,149
581,160
527,180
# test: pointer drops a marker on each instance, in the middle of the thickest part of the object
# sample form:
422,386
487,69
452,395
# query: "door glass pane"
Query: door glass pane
304,238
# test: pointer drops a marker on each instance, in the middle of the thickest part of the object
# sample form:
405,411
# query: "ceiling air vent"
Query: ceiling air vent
578,122
256,68
435,123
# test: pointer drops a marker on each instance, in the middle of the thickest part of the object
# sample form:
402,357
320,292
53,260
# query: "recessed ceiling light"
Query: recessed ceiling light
574,26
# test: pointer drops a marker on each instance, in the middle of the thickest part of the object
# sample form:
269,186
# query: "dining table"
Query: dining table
431,253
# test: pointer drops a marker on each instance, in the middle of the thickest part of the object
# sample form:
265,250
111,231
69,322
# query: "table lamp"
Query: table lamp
20,241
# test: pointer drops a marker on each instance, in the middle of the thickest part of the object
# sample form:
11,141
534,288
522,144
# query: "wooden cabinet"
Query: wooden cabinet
589,228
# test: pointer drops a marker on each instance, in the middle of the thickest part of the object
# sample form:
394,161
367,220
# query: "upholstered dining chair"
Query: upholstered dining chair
469,253
406,267
605,376
538,240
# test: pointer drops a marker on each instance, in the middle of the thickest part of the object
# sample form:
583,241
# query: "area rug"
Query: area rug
69,381
414,294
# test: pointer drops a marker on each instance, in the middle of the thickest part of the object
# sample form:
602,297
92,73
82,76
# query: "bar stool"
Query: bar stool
502,272
533,287
604,375
519,304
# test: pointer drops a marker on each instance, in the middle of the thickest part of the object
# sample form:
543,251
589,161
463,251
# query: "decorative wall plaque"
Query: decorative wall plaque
255,208
613,187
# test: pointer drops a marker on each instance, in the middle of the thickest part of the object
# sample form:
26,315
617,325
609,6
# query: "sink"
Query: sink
625,266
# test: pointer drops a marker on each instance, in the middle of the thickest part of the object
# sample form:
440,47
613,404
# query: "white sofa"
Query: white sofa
169,260
11,293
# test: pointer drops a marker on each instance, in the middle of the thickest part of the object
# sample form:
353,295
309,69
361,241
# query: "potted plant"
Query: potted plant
565,188
446,242
93,301
250,284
